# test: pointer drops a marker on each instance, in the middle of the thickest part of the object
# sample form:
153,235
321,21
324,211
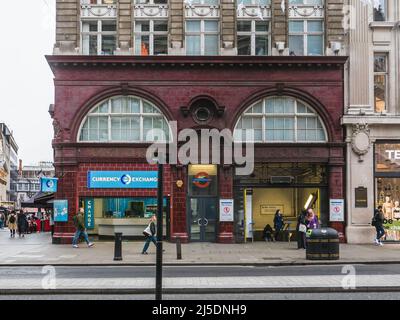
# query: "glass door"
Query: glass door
203,219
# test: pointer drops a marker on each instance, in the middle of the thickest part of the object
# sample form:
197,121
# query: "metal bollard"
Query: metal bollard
178,249
118,246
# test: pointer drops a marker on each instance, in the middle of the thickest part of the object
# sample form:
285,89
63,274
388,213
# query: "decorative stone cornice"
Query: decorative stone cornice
306,11
253,12
315,62
202,11
150,11
98,11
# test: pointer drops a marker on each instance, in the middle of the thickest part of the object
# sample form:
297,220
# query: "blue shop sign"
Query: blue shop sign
48,184
122,179
89,213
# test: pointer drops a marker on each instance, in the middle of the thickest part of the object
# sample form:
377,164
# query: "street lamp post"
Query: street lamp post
159,231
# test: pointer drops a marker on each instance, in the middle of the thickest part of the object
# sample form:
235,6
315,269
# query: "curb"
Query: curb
208,264
102,291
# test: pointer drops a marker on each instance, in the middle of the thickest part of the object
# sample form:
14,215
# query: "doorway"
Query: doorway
202,219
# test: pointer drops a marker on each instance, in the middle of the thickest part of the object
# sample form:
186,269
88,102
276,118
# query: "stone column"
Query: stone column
360,59
228,28
360,174
125,27
334,26
176,27
67,27
279,26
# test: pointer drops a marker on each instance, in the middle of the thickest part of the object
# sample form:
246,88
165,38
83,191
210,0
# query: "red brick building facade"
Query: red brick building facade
229,85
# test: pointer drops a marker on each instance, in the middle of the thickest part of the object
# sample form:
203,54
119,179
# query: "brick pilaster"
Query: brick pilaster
228,27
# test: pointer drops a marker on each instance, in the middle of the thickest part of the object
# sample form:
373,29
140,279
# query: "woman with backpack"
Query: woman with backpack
12,224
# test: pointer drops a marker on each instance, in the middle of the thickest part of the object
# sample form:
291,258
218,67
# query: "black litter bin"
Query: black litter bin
322,244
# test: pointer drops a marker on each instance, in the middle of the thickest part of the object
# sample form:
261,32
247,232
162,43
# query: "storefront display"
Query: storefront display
387,180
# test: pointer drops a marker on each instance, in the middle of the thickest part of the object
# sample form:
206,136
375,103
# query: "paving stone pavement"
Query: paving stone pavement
260,282
37,249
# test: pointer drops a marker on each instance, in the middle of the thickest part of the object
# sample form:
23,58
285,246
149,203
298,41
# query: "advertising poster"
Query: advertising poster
60,210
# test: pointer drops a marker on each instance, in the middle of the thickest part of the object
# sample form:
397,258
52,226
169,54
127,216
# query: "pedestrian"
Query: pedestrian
301,229
2,219
278,223
312,220
51,222
21,221
12,223
150,234
268,233
377,222
79,224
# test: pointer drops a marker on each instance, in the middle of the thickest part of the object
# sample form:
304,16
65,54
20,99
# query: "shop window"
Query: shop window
124,119
125,208
151,37
202,37
253,37
380,81
99,37
280,119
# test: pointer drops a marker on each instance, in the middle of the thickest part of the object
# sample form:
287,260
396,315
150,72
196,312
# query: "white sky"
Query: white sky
26,81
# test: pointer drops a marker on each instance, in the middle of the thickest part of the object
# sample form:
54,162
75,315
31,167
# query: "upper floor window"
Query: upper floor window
99,37
306,37
253,37
202,37
280,119
99,1
151,1
255,2
124,119
380,81
306,2
204,2
151,37
380,7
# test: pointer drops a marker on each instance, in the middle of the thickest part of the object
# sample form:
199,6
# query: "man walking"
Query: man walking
378,223
79,224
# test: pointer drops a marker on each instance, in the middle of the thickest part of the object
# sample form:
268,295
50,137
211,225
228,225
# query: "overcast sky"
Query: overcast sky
26,81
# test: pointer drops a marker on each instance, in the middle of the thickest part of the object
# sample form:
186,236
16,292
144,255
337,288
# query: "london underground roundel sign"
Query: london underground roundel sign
202,180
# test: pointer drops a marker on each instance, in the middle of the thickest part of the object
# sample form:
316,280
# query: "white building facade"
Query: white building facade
372,118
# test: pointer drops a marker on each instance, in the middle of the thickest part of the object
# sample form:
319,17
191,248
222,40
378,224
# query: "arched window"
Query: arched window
280,119
124,119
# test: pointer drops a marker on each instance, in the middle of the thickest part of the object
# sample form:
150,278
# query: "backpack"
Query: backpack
374,220
12,219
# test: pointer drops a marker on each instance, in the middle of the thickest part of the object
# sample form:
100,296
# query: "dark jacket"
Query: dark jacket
153,228
79,221
379,218
278,222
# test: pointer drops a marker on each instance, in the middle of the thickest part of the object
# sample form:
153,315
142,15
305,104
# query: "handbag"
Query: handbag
302,228
147,231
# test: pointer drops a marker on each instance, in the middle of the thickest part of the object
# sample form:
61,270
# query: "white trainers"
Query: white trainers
376,242
75,246
381,243
90,245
